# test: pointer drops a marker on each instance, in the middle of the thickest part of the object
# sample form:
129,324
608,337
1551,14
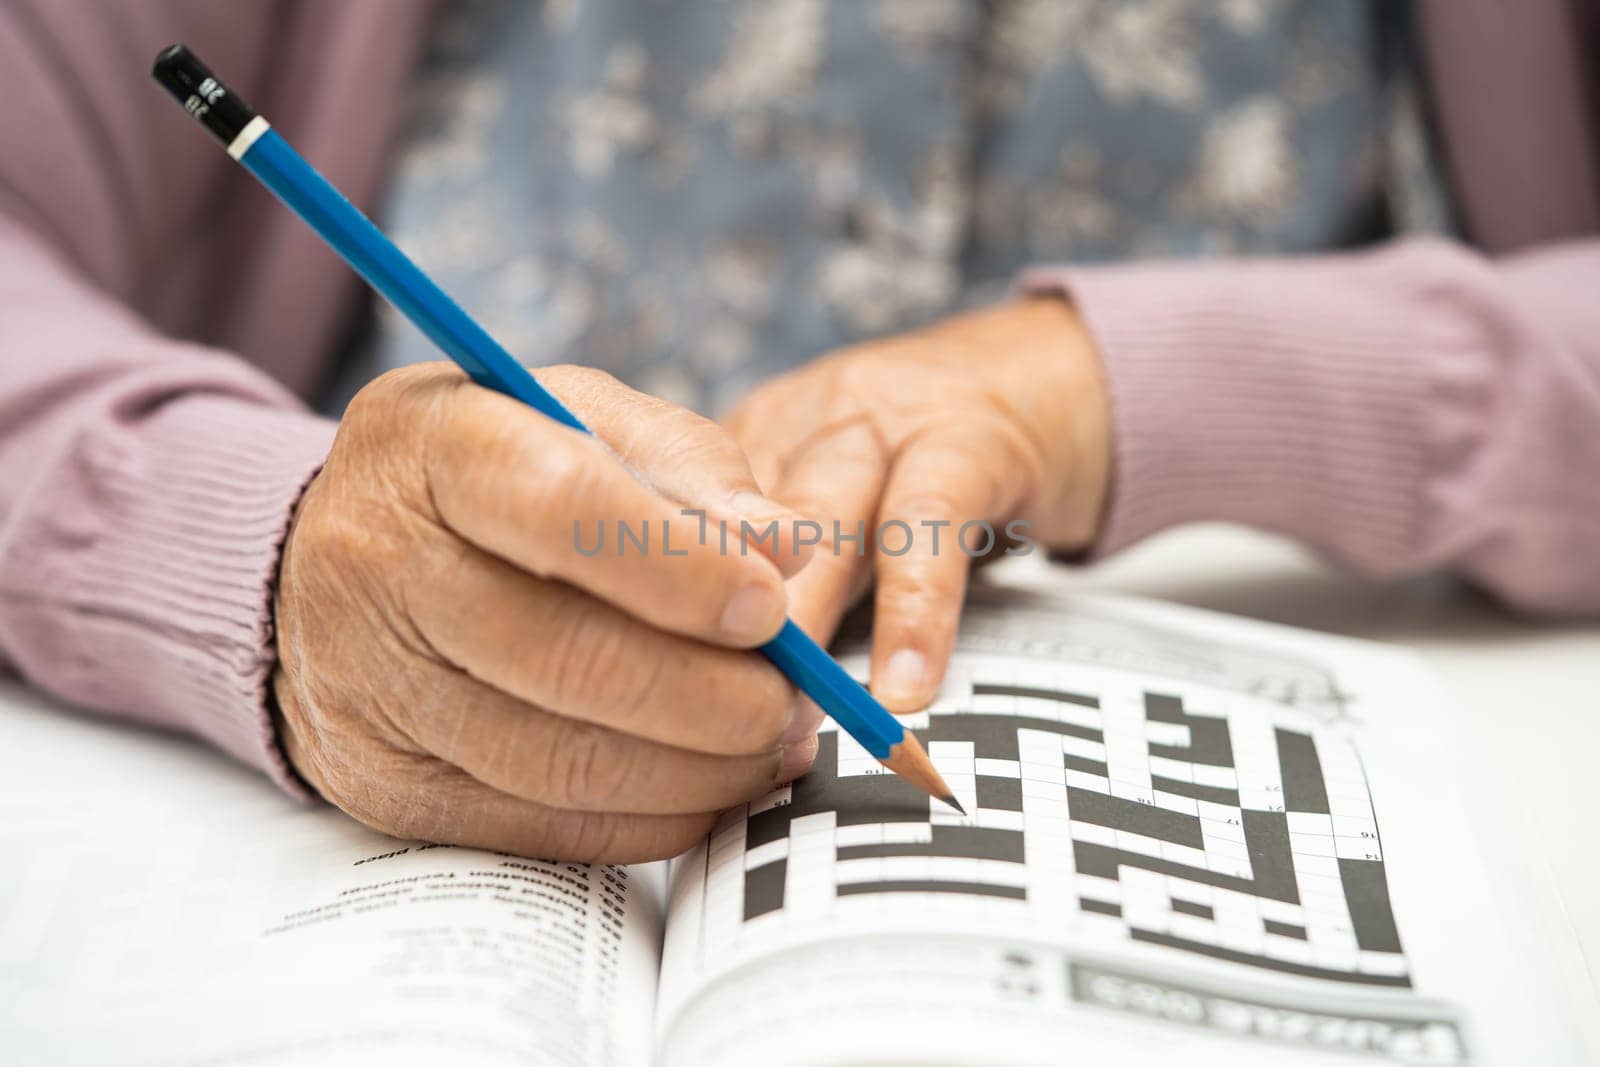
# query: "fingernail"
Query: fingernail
803,722
797,759
903,678
753,614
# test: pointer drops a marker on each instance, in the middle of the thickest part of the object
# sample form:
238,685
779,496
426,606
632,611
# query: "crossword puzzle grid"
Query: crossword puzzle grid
1214,830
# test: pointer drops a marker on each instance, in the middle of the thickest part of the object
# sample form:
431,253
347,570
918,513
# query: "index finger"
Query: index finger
557,503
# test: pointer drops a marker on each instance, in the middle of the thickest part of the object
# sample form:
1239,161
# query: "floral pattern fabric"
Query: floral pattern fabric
696,196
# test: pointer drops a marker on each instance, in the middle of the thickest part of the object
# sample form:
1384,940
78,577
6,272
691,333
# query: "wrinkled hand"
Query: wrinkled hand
993,417
453,668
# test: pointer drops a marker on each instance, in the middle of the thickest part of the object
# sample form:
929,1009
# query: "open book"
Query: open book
1192,839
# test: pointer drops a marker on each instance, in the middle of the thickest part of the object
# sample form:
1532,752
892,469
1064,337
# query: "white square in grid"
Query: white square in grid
860,766
1334,957
1338,936
1241,939
1171,734
1322,905
1178,770
1217,777
1037,746
997,768
816,823
1197,892
1260,798
1189,857
1002,872
1351,848
1094,783
1192,927
950,750
905,833
1132,842
953,869
1310,844
1220,829
1320,884
1094,834
1046,822
1041,772
1052,810
1281,911
1317,865
906,868
1235,908
770,852
1381,963
961,784
1237,850
1350,805
860,834
998,819
1140,884
1304,822
850,872
1097,888
1081,746
1228,865
1056,790
1290,949
1174,802
1355,826
1135,791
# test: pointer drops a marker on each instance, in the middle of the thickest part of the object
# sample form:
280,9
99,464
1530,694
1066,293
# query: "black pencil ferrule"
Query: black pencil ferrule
214,105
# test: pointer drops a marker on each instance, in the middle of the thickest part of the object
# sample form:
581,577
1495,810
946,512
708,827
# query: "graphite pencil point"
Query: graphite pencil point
954,803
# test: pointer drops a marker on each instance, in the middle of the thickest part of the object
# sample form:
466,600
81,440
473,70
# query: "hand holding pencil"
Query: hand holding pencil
452,670
497,508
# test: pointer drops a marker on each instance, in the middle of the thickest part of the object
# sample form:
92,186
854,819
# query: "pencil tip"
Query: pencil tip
909,760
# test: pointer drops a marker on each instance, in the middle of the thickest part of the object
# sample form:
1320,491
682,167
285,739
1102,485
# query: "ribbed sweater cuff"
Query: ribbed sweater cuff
1290,395
155,573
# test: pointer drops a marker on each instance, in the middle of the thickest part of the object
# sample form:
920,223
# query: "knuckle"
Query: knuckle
758,705
633,692
587,660
685,437
913,590
593,839
564,475
587,769
769,701
577,379
922,501
583,389
396,391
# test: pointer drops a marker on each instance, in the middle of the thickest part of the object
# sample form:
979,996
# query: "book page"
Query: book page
1185,831
159,904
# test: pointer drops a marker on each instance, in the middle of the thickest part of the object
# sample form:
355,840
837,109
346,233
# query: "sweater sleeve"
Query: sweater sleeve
145,482
1413,407
145,488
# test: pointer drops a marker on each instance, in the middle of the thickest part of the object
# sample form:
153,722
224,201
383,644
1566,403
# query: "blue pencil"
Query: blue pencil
252,141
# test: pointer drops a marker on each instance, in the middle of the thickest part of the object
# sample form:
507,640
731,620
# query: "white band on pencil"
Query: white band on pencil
248,136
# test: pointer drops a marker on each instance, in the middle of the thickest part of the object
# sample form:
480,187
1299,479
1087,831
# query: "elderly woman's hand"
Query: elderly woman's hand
991,417
454,667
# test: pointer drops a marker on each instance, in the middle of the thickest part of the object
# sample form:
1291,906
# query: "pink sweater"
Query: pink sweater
1417,406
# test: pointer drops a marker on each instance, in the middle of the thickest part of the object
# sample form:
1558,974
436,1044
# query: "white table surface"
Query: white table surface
1522,700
